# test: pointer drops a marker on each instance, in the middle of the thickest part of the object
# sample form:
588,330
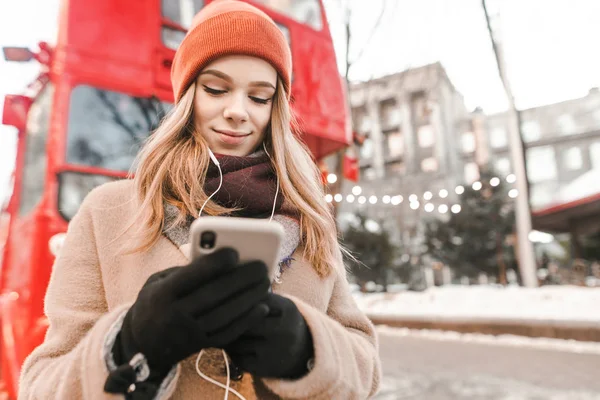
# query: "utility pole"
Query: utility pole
527,264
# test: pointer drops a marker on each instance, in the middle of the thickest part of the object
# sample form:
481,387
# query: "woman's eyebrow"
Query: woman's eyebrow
227,78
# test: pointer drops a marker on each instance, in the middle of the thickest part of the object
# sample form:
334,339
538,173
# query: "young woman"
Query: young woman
130,314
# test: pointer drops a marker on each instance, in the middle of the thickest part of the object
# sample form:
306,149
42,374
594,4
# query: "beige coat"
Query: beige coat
92,286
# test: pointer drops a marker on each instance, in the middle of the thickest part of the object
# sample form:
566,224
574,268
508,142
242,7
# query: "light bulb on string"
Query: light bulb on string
397,200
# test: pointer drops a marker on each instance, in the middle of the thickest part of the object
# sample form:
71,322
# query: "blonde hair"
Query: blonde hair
172,165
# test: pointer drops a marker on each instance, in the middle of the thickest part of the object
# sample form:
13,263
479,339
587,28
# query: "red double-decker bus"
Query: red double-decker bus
102,89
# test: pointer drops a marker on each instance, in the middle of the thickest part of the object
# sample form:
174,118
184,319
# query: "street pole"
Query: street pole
527,264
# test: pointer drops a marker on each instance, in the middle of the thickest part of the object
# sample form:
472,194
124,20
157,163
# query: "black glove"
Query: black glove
280,347
182,310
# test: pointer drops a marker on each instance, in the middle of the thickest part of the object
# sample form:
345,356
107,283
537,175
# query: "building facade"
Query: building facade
410,161
562,143
422,145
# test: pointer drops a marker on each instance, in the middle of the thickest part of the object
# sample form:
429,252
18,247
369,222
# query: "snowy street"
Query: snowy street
448,366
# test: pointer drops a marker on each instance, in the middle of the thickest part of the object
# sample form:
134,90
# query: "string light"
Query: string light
332,178
397,200
414,199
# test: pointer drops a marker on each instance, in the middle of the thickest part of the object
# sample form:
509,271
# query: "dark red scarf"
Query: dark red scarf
249,183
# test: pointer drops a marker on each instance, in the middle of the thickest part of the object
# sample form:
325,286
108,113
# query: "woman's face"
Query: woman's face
232,107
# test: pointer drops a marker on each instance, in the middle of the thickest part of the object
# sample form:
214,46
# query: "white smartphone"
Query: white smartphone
254,239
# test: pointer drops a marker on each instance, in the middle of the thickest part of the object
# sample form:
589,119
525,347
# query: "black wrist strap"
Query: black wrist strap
130,378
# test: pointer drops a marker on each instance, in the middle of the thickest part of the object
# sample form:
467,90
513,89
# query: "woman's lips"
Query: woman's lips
232,138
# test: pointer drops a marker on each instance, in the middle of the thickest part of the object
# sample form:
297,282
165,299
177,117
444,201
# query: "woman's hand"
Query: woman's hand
280,347
182,310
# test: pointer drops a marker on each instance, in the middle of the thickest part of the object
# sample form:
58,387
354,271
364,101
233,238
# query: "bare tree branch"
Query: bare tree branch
371,35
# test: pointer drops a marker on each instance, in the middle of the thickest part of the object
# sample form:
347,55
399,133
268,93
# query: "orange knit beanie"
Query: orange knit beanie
226,27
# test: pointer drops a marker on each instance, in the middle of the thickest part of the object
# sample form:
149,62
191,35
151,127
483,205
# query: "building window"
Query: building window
468,142
566,124
572,159
471,172
502,166
366,150
365,123
429,164
421,108
498,138
595,154
531,131
426,136
541,164
395,143
395,168
390,113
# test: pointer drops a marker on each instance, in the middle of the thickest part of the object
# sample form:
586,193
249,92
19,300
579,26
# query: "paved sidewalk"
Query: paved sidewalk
418,368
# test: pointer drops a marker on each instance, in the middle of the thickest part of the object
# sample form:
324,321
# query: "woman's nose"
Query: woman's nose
236,108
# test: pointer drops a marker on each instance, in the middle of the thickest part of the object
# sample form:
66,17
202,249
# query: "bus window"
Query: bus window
106,128
72,189
304,11
181,12
36,137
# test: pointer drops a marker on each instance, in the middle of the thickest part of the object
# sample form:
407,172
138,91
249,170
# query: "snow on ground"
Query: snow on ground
572,346
547,303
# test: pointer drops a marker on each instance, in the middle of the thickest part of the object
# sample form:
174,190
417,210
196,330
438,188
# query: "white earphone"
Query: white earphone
207,378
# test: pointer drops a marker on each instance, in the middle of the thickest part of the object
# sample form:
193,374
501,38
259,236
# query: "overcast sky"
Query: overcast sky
551,48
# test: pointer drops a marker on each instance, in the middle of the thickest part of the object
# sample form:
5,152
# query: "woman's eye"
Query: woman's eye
212,91
259,100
